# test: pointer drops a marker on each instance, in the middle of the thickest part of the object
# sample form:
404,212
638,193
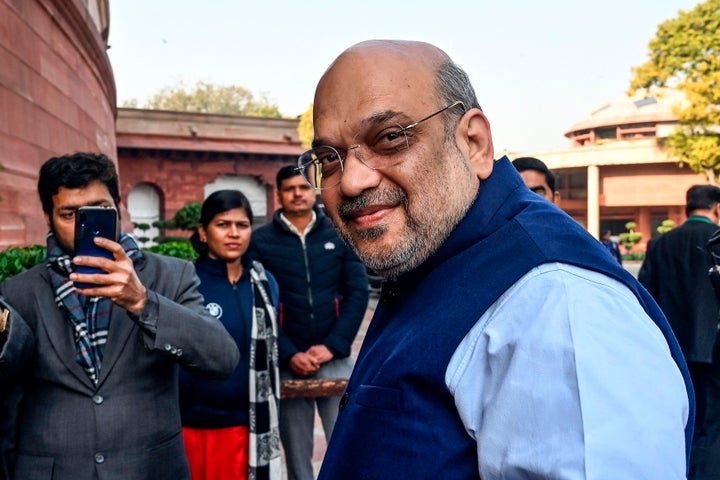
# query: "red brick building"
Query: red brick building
615,171
57,95
169,159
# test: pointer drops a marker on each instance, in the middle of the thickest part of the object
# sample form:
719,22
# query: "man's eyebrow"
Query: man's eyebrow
380,117
96,203
377,118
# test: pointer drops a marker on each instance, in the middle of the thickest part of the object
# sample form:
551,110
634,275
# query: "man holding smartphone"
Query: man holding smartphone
99,398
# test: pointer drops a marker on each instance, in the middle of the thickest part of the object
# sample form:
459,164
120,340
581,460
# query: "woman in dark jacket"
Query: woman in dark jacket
231,427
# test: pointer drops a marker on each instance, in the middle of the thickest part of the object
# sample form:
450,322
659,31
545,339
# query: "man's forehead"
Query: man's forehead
376,67
356,92
535,177
94,193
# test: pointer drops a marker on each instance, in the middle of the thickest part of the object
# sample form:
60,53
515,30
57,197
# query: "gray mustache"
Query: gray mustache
369,198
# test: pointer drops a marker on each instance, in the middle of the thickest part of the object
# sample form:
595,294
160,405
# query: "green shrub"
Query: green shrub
15,260
185,219
630,238
665,226
180,249
634,256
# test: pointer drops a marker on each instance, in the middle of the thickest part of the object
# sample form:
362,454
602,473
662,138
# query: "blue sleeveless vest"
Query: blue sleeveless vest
397,418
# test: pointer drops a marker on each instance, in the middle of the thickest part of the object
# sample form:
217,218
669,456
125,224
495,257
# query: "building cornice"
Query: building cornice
633,152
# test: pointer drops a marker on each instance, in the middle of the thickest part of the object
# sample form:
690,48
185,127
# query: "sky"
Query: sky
538,67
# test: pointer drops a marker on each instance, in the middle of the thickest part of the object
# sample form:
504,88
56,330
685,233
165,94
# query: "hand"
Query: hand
303,364
121,284
320,353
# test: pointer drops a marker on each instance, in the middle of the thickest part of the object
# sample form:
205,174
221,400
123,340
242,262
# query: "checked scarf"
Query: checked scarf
264,454
89,316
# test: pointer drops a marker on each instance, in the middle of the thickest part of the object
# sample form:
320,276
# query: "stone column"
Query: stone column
593,200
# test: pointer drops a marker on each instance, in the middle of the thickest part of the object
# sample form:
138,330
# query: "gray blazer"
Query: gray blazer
128,427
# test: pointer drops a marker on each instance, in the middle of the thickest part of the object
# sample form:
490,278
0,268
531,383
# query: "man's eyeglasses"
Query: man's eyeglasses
322,166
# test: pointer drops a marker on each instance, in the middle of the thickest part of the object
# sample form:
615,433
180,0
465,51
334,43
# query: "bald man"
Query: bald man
506,342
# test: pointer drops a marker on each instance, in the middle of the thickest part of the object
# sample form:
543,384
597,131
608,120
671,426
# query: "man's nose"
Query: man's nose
357,176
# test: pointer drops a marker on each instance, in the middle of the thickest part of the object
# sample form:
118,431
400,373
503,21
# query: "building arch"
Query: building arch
250,186
144,202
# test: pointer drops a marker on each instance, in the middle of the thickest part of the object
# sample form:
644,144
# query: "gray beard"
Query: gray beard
424,234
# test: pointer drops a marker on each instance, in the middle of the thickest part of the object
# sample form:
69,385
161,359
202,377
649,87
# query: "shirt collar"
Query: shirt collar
292,228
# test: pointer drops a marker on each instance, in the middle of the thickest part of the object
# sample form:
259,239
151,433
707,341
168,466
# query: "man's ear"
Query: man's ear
47,220
476,135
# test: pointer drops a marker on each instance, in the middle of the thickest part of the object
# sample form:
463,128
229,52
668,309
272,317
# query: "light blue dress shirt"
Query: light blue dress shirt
566,377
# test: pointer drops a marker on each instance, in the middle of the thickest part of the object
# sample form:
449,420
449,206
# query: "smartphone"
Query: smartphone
91,222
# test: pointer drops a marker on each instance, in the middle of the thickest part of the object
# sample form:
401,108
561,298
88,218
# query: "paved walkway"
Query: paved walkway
632,267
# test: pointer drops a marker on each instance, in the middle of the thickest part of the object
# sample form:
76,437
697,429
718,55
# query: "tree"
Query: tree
630,238
206,97
665,226
685,54
305,128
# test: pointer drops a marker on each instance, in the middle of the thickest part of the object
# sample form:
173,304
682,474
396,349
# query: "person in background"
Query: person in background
611,245
231,428
100,393
323,298
506,343
12,352
675,272
538,177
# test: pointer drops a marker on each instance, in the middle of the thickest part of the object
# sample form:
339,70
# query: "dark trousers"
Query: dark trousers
705,454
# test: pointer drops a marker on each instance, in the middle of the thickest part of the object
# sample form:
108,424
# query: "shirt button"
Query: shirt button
99,458
179,352
344,400
98,399
168,347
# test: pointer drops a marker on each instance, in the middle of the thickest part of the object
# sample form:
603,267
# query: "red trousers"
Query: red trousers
218,453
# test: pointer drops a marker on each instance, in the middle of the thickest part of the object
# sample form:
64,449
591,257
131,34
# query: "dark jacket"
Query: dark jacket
128,425
323,286
397,418
208,403
614,249
675,272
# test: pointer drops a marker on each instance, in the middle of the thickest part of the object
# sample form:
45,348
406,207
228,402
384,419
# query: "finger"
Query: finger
104,264
100,279
113,247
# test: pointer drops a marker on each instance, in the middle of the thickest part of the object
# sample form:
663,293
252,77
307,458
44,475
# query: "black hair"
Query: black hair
76,171
701,197
216,203
530,163
288,171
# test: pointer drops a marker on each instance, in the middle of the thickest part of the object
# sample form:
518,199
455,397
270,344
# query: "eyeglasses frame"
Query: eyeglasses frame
403,130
